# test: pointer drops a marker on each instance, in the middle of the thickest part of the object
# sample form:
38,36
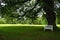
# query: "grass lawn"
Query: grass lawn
27,33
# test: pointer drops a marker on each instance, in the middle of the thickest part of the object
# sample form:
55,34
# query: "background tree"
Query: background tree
31,8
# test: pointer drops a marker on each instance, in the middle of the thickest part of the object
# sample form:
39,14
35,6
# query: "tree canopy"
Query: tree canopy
27,9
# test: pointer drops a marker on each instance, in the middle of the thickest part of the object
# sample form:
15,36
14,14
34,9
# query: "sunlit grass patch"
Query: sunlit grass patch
30,25
6,25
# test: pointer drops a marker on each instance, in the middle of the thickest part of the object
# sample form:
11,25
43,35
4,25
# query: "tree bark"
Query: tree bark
50,14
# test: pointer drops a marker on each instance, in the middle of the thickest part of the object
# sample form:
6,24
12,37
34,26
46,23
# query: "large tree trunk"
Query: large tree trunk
50,14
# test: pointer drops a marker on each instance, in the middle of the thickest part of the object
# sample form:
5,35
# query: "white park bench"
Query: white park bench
48,27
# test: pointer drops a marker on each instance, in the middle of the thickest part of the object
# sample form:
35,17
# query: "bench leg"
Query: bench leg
51,29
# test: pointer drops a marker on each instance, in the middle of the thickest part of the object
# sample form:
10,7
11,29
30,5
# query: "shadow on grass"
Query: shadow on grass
27,33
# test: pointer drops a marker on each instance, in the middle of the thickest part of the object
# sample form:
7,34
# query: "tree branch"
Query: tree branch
31,9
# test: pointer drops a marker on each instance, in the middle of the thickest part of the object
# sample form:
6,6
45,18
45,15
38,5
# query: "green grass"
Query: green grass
27,33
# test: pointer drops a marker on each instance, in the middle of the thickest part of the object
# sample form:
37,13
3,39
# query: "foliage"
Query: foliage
25,11
2,21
